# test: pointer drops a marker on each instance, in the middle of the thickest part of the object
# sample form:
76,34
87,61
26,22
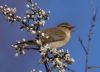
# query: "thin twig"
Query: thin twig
87,49
37,49
82,44
48,69
93,67
70,69
90,38
30,1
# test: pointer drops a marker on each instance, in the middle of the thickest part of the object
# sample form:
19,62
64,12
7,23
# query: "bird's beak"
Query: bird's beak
72,27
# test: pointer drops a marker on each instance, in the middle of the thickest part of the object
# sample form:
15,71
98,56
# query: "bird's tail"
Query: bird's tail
29,42
26,44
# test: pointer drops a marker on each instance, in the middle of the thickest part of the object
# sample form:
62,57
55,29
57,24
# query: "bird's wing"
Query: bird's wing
54,35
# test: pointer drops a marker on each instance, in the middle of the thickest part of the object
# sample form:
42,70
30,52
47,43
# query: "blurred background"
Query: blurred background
77,12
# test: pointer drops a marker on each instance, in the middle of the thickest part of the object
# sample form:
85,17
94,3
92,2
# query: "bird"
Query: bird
58,36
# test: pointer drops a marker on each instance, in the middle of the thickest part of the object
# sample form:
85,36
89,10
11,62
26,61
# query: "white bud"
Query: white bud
39,31
72,60
67,55
32,24
63,70
24,20
60,63
49,11
62,50
58,67
14,19
5,9
53,62
33,70
40,70
35,3
43,12
12,45
15,46
5,13
36,13
42,53
1,7
47,37
16,54
67,51
8,18
5,5
33,32
32,5
39,42
23,52
18,41
31,29
24,17
57,60
10,14
43,34
23,39
27,5
21,29
8,9
32,16
43,22
14,9
18,17
28,16
27,27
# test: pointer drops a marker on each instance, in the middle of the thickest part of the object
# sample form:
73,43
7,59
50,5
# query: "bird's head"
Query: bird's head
65,27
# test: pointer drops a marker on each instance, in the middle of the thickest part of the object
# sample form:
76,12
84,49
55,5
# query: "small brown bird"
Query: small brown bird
58,36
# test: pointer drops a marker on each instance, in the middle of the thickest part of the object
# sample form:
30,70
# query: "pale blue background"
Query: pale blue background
76,12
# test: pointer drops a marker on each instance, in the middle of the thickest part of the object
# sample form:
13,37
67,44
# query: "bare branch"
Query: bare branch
70,70
93,67
93,23
48,69
82,44
30,1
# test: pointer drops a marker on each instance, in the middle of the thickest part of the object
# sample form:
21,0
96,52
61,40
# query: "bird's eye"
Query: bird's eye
64,26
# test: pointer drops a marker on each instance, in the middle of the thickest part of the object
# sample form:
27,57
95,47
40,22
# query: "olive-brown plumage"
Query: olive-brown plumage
58,36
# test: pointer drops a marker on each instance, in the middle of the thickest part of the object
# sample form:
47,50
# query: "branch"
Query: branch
82,44
90,38
93,23
93,67
48,69
70,69
30,1
37,49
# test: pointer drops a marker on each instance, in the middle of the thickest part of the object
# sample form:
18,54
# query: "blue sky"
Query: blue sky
76,12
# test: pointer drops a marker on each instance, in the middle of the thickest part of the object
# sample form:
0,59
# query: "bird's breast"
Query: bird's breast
59,44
